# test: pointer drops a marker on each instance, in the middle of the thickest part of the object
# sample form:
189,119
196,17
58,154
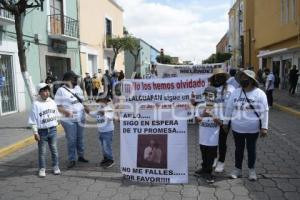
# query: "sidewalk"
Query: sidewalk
13,128
284,102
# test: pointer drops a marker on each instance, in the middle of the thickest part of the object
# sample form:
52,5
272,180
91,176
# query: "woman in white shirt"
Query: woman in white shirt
248,111
69,100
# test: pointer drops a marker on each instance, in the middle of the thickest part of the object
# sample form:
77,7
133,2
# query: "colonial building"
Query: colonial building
99,20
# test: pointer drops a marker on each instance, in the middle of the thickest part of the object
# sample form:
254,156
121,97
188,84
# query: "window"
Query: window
288,11
293,10
108,26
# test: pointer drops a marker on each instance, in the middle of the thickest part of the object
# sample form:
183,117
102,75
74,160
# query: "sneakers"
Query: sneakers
108,164
252,175
199,172
210,178
71,164
215,162
103,161
236,173
82,159
42,172
219,167
56,170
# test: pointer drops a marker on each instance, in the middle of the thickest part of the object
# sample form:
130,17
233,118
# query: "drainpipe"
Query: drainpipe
78,21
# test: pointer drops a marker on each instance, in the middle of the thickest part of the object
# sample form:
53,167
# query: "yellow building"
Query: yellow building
277,36
99,19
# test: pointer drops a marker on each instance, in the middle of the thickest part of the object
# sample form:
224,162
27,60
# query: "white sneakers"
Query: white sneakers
56,170
236,173
215,162
252,175
42,172
219,167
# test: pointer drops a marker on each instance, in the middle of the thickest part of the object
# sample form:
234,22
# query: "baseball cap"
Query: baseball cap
42,86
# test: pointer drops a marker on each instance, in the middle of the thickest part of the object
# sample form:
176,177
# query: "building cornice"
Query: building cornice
116,4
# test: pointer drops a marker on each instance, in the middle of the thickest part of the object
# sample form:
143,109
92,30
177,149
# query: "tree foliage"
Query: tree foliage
164,59
217,58
134,47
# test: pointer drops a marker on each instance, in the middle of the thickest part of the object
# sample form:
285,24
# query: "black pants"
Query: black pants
240,139
292,88
208,155
88,91
95,92
222,145
270,97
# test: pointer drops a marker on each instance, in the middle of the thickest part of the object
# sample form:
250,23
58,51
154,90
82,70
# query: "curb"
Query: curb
287,110
5,151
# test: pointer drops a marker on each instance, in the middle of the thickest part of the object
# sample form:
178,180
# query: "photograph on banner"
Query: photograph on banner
169,71
151,146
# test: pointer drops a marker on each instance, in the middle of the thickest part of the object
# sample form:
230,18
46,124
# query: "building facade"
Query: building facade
51,42
222,46
98,21
278,45
146,57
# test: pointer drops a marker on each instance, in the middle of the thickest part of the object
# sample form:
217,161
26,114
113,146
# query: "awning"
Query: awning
268,53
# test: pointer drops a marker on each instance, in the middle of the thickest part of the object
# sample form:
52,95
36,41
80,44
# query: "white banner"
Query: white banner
167,71
154,127
151,147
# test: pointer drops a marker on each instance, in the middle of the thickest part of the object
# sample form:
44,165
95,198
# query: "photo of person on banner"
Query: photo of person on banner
152,151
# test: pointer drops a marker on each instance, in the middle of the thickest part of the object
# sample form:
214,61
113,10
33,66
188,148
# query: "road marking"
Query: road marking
5,151
287,110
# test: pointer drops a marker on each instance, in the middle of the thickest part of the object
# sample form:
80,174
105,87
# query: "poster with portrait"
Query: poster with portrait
154,128
151,147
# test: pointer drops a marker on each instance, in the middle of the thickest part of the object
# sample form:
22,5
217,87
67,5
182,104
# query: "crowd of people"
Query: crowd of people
232,101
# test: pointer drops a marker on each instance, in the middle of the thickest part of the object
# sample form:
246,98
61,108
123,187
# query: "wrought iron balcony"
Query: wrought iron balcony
63,28
6,18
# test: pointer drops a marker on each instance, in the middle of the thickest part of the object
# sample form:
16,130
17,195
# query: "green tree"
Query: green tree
18,9
164,59
217,58
118,44
134,48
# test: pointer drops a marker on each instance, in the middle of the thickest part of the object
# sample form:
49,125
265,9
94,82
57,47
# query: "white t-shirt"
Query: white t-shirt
243,118
221,100
271,78
69,102
43,114
233,82
105,122
208,129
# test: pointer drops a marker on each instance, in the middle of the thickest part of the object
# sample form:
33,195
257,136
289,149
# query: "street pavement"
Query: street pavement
283,98
278,167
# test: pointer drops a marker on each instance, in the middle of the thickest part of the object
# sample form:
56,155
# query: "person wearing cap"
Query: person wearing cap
224,91
248,111
209,121
69,99
43,120
105,116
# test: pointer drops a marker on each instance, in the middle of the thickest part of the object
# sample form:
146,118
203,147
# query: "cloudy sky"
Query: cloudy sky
189,29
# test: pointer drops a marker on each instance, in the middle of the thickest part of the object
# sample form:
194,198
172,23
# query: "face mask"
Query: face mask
218,82
245,83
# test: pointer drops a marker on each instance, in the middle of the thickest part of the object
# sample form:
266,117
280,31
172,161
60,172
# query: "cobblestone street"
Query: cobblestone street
278,166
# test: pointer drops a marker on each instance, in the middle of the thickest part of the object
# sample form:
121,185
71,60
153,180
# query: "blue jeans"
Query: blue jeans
105,139
48,136
240,140
74,135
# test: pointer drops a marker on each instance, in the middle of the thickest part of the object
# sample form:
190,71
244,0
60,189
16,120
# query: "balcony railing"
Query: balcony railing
6,17
63,27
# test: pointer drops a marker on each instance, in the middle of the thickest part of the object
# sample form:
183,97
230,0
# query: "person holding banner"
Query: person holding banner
248,111
105,123
224,90
209,128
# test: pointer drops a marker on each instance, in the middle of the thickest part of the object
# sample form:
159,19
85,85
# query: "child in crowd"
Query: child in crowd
105,123
209,128
43,119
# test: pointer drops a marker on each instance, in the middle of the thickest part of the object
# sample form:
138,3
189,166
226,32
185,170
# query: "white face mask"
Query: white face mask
210,98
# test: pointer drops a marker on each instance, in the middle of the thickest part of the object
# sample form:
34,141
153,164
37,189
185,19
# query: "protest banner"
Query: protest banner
168,71
154,132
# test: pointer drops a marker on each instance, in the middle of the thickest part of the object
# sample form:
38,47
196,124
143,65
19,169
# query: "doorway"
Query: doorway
58,66
8,96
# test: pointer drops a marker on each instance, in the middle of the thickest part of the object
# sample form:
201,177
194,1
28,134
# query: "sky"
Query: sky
189,29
